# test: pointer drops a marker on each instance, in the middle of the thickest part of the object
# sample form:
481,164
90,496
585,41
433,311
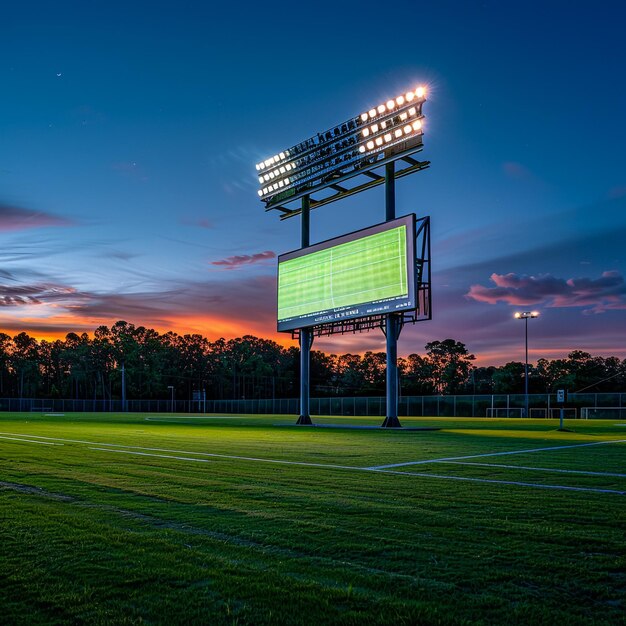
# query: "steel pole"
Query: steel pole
305,333
391,320
526,369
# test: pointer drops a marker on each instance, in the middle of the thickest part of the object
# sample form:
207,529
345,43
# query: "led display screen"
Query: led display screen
367,272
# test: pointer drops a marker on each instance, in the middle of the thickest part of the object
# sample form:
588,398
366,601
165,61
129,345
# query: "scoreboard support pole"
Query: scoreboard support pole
306,335
392,322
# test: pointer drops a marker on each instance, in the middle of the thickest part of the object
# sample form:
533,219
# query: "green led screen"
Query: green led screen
364,273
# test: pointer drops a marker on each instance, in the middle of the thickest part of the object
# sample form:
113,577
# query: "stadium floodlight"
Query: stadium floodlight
390,128
526,315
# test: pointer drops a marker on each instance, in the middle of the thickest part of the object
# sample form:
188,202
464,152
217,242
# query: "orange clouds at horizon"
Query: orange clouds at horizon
215,327
210,326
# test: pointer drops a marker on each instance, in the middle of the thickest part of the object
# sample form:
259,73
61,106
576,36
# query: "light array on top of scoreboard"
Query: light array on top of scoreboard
354,144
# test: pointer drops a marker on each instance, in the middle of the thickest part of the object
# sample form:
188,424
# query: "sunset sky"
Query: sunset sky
129,134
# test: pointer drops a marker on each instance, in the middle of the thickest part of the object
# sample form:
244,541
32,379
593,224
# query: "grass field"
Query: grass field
162,519
365,270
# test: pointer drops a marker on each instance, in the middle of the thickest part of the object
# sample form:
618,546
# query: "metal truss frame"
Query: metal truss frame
368,178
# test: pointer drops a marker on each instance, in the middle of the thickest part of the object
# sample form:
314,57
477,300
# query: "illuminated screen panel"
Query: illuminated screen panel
368,272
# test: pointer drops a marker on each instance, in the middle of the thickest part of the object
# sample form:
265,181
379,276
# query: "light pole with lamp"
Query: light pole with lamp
526,315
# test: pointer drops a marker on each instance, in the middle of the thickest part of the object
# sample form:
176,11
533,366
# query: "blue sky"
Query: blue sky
129,134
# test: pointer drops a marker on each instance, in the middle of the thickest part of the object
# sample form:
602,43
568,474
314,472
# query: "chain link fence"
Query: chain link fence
496,405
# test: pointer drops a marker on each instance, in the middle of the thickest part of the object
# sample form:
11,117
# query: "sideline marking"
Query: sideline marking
219,456
503,482
41,443
537,469
380,470
479,456
208,454
162,456
414,474
198,417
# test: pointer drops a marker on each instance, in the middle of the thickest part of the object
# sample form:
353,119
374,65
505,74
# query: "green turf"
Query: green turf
368,269
129,535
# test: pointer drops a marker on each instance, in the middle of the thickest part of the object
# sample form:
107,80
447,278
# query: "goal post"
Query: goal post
504,412
570,413
603,412
40,406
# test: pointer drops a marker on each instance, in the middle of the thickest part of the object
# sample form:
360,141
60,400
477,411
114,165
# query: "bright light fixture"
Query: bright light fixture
391,127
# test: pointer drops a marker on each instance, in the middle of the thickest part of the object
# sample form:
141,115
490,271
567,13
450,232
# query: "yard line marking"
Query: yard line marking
220,456
537,469
365,469
478,456
95,443
208,454
161,456
501,482
195,417
41,443
379,470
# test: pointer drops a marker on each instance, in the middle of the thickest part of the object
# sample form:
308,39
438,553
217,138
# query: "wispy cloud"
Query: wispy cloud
197,222
212,307
600,294
120,255
238,260
20,295
14,218
517,171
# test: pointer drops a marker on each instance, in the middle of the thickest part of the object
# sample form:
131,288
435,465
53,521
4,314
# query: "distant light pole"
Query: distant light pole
526,316
171,388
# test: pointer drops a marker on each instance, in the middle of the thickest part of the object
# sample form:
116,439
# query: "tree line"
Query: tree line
142,363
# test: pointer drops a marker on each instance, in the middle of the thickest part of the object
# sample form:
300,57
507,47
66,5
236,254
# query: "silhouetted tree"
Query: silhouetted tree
252,367
451,364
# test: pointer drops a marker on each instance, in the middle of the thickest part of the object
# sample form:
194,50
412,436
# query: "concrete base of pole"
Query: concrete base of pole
391,422
304,420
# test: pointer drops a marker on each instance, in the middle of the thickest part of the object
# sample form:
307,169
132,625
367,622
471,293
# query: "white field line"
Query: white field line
130,450
500,482
198,417
480,456
217,456
206,454
537,469
161,456
365,469
41,443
